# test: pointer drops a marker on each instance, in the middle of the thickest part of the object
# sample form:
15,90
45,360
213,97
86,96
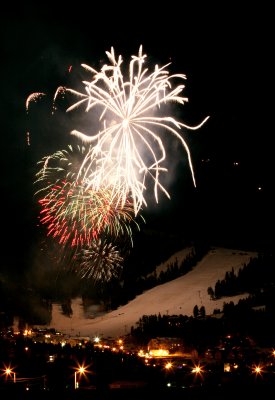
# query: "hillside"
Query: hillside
175,297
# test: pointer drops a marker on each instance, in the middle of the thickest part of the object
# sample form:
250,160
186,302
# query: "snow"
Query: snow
179,257
175,297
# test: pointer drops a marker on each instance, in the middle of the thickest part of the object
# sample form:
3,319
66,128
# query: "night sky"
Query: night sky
225,51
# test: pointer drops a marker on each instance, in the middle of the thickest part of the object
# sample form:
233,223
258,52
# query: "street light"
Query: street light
80,371
10,372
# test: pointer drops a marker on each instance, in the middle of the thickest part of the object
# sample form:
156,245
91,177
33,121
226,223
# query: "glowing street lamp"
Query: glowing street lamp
80,371
257,370
168,366
198,371
10,372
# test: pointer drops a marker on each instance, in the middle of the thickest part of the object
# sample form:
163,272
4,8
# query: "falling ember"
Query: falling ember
59,91
28,138
34,97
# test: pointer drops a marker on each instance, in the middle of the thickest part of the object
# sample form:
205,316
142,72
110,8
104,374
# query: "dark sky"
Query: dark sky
226,52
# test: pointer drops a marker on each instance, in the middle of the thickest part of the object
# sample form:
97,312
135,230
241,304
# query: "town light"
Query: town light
10,372
81,370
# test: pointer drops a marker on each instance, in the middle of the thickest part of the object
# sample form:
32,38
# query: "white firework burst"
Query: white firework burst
129,147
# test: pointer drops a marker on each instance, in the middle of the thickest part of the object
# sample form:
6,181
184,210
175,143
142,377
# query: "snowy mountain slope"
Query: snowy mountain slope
175,297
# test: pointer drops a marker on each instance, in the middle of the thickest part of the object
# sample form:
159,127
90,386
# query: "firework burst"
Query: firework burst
100,262
72,213
129,146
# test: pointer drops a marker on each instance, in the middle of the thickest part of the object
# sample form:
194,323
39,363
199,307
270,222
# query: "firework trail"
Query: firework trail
129,146
61,90
34,97
100,262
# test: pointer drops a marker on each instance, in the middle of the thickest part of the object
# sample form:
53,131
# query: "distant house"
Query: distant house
259,308
163,346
